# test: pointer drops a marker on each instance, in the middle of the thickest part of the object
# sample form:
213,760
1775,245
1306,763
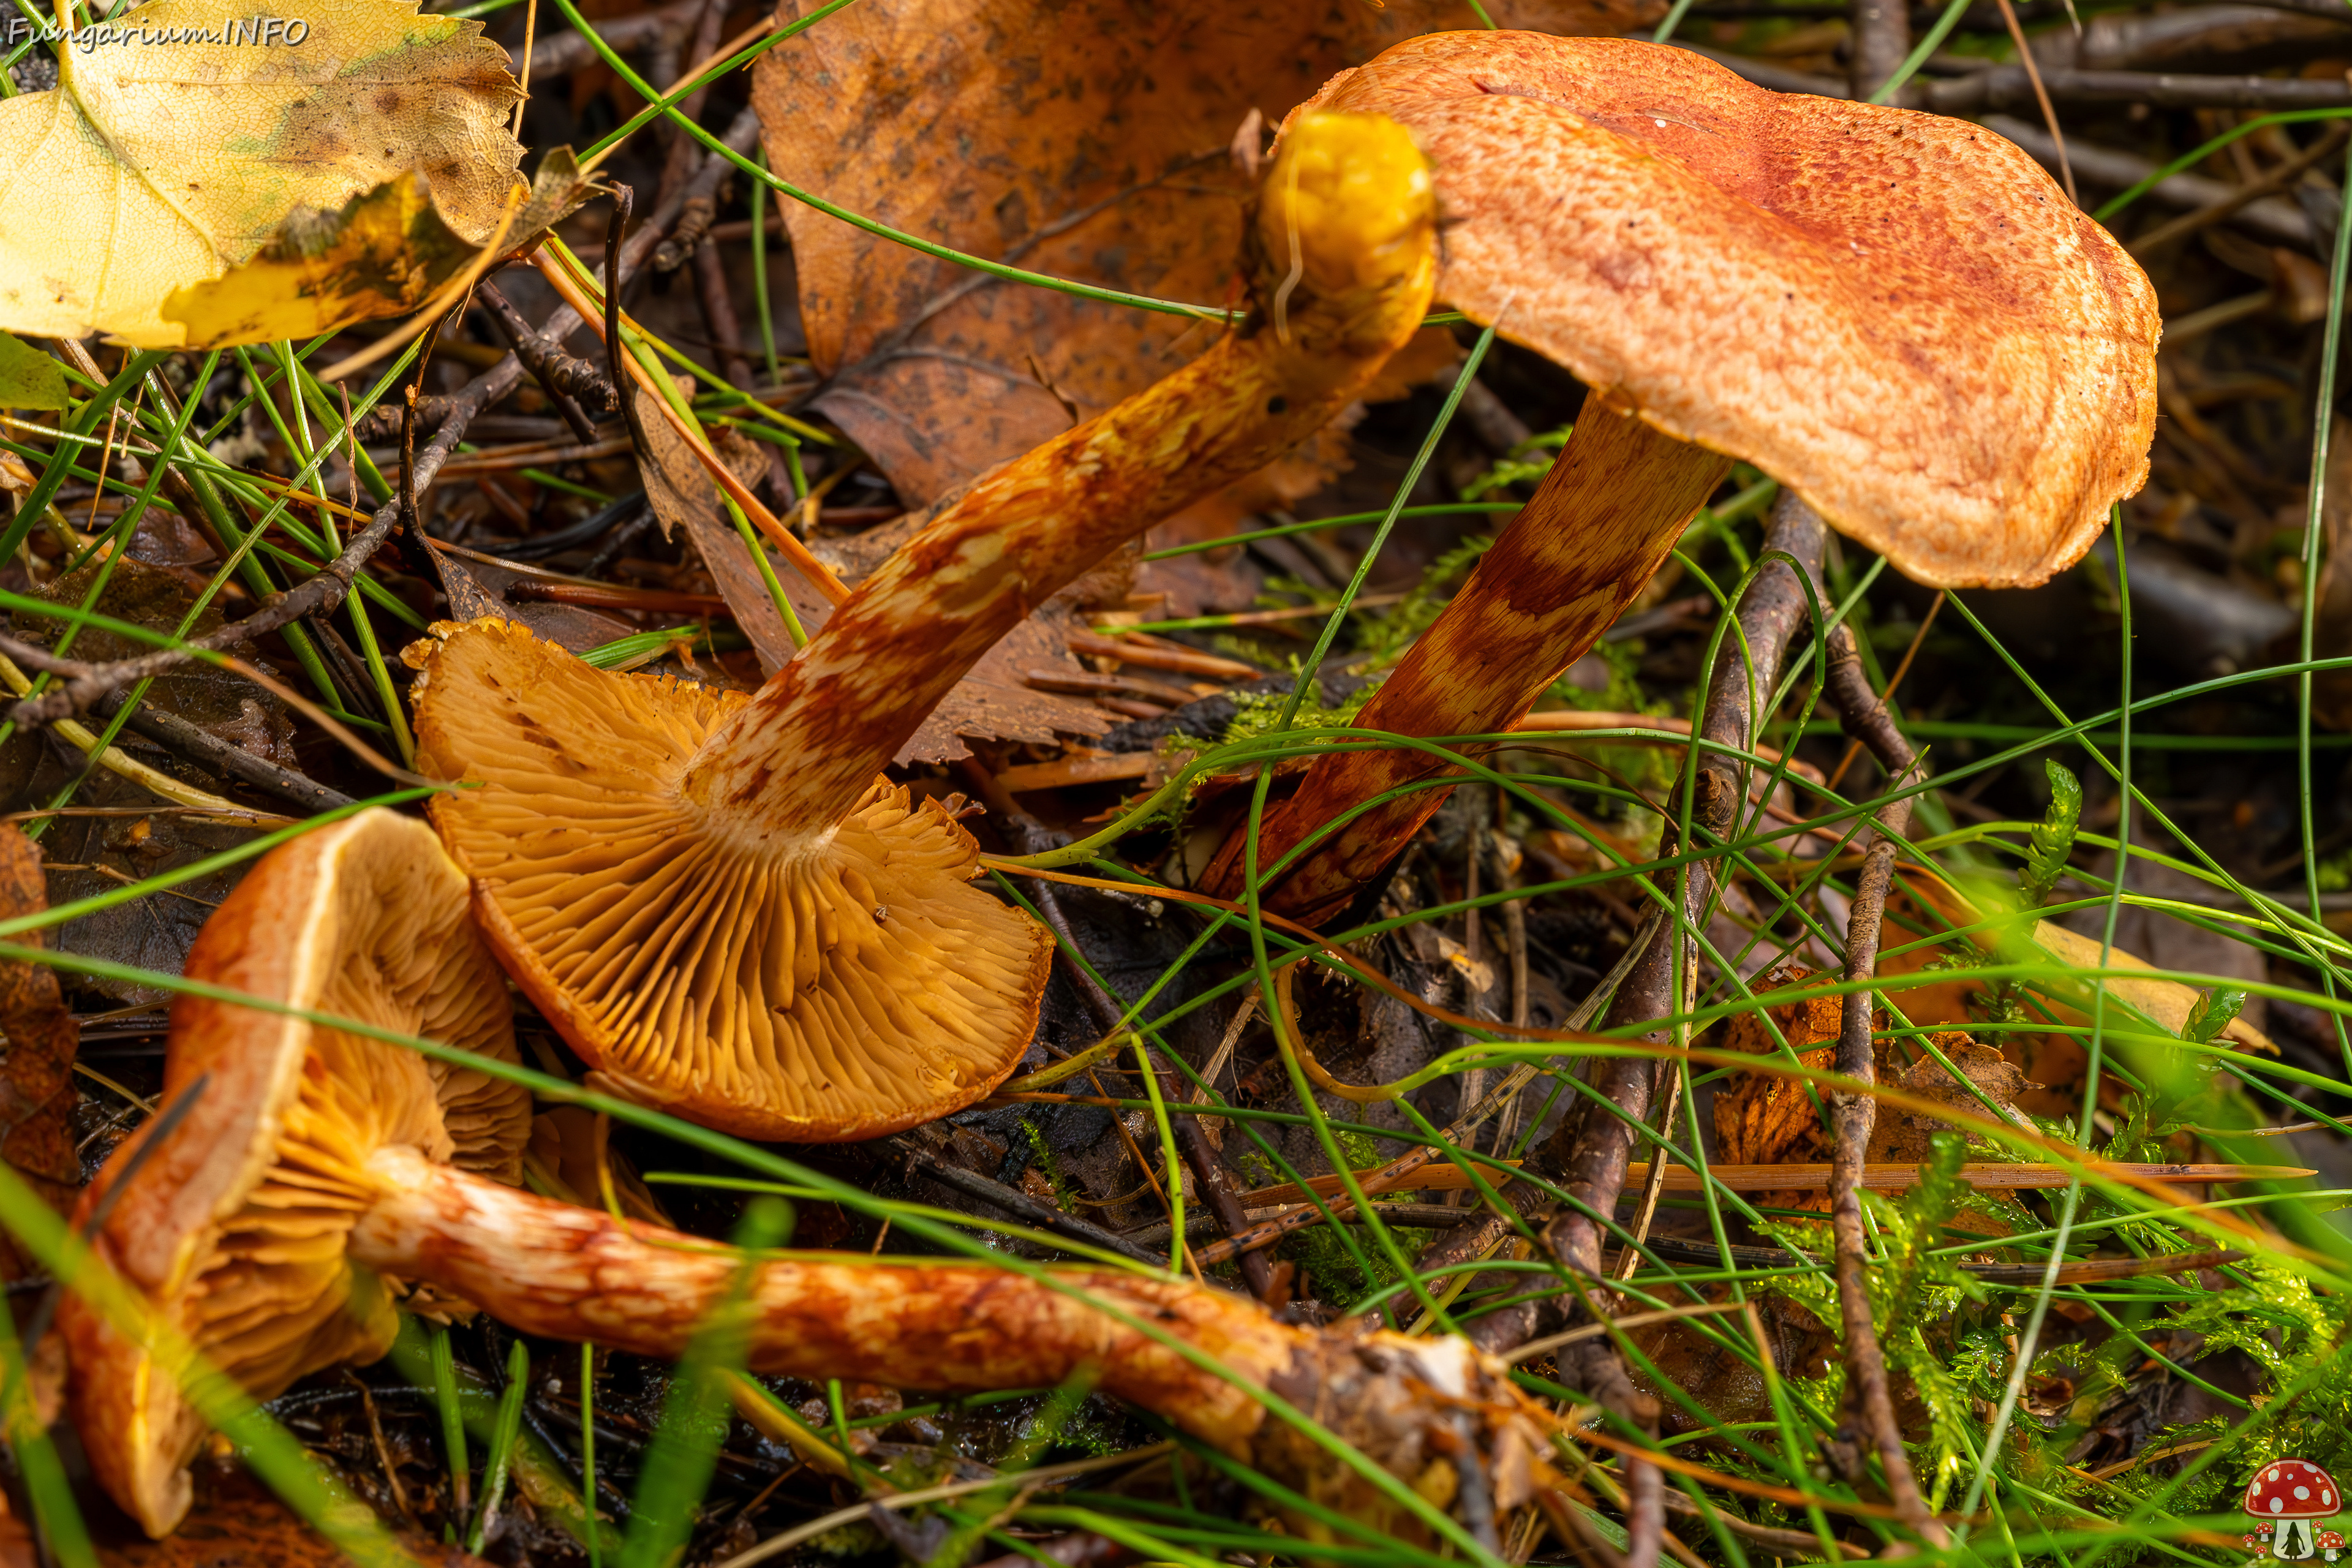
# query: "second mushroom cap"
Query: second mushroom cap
1896,314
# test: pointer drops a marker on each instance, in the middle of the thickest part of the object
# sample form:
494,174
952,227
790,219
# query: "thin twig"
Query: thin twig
571,383
1893,681
203,746
2040,96
616,246
1869,1405
1598,1148
1882,39
2278,179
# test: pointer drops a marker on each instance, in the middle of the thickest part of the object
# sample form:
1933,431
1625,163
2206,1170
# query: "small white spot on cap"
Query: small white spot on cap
2302,1494
2278,1505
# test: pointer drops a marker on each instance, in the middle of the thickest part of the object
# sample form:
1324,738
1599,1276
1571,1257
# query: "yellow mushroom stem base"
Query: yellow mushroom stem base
1560,575
1414,1406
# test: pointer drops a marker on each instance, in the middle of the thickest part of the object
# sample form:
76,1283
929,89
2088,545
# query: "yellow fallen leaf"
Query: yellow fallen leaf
382,255
159,162
2165,1002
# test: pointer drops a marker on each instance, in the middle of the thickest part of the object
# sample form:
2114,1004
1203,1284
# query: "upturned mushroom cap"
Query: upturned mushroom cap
1897,314
2293,1488
233,1227
777,973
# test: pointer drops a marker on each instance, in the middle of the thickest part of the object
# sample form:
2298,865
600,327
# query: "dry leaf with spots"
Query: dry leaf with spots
155,166
1092,141
382,255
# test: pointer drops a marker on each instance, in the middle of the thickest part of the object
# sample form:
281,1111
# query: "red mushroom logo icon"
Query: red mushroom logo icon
2286,1495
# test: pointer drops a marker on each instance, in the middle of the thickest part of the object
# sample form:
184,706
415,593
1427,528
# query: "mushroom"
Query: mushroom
315,1170
2331,1543
1896,315
236,1227
715,899
2290,1494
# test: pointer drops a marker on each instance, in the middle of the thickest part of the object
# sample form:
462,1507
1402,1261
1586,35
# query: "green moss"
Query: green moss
1063,1193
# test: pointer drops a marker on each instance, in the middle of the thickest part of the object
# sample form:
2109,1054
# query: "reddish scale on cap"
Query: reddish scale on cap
2293,1488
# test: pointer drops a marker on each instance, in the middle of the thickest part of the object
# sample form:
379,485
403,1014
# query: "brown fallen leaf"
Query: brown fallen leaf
1095,141
479,588
1900,1134
1764,1117
37,1086
992,703
1767,1118
90,855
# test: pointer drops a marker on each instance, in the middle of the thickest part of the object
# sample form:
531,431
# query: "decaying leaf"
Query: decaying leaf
1903,1136
1094,141
36,1056
1730,1386
1765,1118
227,705
30,378
989,703
382,255
157,164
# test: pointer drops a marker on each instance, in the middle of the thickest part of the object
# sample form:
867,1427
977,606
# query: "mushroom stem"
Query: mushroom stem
569,1273
1346,261
1566,567
1432,1412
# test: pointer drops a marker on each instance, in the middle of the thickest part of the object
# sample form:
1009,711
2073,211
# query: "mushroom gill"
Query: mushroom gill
801,982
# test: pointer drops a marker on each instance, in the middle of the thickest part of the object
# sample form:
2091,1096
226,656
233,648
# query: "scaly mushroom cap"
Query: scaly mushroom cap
802,981
233,1227
1896,314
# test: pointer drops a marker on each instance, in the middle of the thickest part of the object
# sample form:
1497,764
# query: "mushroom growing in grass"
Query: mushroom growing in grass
268,1223
715,899
1898,316
236,1227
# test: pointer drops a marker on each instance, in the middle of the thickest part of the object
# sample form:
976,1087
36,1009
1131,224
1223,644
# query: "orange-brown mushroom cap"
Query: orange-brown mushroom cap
770,970
1897,314
233,1228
